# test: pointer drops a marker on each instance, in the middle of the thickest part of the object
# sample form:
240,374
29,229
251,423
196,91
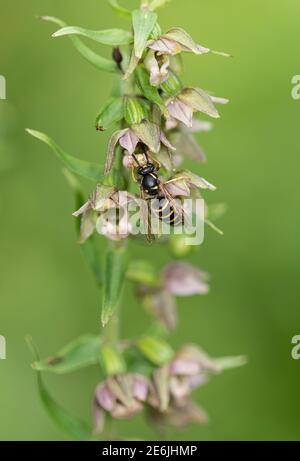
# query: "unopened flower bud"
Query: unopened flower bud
134,111
173,85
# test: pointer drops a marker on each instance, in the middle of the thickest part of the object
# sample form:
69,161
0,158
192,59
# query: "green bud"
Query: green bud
111,360
143,272
156,32
173,85
179,246
155,350
134,111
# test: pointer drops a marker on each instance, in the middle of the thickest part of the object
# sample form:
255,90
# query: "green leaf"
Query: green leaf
89,55
80,353
143,24
110,37
155,350
114,275
111,113
143,272
81,167
149,91
111,360
89,247
72,426
120,10
155,4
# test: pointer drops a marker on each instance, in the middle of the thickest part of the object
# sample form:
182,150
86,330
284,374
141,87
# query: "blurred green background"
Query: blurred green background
46,289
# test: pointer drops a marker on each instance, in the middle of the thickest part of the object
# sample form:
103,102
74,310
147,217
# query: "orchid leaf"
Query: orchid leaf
114,275
82,352
149,91
73,427
111,113
81,167
143,24
89,55
110,37
155,4
120,10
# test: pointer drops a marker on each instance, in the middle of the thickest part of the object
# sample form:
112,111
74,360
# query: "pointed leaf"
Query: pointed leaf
199,100
131,66
114,275
81,167
89,55
120,10
82,352
111,113
73,427
111,150
149,91
149,134
155,4
111,37
143,24
155,350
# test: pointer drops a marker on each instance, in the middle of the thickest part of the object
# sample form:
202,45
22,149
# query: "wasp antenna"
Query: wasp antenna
136,160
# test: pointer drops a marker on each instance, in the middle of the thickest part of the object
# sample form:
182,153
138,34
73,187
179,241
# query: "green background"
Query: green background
253,157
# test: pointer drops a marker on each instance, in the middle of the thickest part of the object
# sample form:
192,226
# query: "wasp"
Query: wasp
162,205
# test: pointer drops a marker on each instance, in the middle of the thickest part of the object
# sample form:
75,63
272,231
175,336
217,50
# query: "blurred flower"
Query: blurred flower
161,304
183,140
177,279
178,416
182,279
121,396
171,387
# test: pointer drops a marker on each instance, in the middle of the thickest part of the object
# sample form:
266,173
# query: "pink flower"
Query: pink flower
182,279
121,396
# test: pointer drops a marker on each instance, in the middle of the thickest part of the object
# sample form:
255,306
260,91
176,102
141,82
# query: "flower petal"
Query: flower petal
182,279
165,46
105,397
149,134
129,141
181,111
166,142
185,40
199,100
